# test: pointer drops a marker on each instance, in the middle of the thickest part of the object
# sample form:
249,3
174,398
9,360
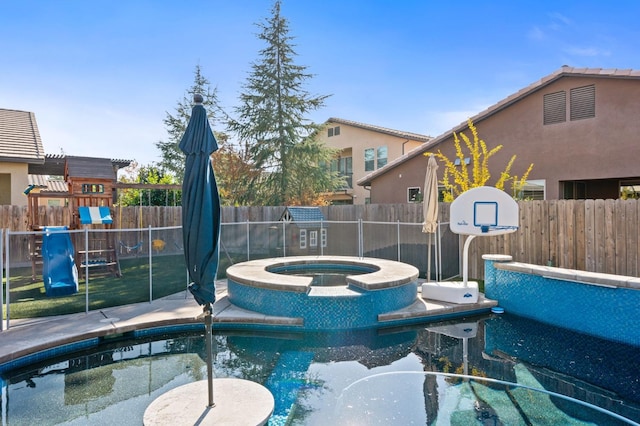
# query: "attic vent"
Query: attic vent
555,107
583,102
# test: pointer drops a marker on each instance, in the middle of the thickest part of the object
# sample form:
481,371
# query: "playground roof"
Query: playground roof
54,165
47,185
303,216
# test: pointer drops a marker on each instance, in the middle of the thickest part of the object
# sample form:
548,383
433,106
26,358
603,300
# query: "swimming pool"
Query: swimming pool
383,376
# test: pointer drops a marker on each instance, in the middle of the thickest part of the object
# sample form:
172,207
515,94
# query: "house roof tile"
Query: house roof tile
564,71
387,131
19,137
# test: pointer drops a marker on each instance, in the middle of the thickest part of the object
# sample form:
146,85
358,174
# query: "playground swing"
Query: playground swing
135,248
131,248
158,244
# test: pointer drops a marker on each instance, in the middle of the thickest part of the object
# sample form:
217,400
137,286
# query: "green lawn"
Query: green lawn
28,299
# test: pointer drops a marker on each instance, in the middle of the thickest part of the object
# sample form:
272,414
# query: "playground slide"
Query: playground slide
59,270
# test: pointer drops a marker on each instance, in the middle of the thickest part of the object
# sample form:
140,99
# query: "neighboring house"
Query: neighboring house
363,149
579,127
20,147
306,233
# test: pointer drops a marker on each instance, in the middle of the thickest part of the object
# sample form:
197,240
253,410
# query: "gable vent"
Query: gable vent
583,102
555,107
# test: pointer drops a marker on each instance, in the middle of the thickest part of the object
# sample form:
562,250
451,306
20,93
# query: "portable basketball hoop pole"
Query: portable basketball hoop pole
465,259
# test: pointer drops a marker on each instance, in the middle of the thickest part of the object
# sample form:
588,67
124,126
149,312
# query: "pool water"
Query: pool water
367,377
323,275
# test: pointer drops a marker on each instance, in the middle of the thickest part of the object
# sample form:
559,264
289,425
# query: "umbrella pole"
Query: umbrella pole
209,338
429,259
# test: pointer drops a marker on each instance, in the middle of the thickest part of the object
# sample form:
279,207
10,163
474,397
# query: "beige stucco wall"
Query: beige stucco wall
352,141
603,147
19,181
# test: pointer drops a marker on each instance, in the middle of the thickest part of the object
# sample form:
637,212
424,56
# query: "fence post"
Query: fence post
360,239
8,280
1,278
150,267
398,231
284,238
248,243
86,269
321,245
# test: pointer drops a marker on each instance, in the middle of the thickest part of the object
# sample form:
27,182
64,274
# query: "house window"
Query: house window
369,160
5,189
574,190
344,167
630,190
457,161
382,156
303,238
413,195
92,188
555,107
323,237
333,131
532,190
441,191
583,102
313,238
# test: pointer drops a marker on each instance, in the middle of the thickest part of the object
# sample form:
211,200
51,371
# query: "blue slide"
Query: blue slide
59,270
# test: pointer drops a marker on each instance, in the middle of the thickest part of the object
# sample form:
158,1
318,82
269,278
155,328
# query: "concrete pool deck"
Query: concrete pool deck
27,337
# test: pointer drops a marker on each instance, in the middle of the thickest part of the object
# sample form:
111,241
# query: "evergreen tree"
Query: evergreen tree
271,123
173,158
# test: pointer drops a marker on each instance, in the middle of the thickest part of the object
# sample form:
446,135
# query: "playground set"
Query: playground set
92,190
89,200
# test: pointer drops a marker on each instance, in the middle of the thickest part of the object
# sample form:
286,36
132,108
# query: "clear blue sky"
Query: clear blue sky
100,75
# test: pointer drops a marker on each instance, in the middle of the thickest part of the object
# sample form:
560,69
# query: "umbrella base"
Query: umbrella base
237,402
451,291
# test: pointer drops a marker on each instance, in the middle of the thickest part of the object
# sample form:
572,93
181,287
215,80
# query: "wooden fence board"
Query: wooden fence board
631,236
589,235
579,231
620,233
553,232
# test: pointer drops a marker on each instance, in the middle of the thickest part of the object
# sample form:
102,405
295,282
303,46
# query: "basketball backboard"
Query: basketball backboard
484,210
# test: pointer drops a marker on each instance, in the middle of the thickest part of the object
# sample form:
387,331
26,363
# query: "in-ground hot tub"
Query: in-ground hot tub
292,287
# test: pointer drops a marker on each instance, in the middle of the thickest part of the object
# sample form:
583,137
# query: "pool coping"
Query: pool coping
255,273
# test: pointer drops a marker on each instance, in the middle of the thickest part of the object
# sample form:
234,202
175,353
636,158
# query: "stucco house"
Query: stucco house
20,146
364,148
578,126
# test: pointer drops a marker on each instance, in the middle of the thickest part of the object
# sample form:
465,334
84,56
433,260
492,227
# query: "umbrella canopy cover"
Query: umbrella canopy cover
200,206
430,201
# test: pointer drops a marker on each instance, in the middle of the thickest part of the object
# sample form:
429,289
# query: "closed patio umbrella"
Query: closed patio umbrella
430,206
200,206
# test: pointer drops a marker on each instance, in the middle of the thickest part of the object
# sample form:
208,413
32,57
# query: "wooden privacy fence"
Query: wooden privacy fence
590,235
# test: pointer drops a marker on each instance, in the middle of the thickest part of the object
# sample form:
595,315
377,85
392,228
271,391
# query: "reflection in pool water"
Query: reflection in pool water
366,377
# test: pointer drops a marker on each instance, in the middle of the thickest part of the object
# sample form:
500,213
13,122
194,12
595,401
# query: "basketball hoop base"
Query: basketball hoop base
451,291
